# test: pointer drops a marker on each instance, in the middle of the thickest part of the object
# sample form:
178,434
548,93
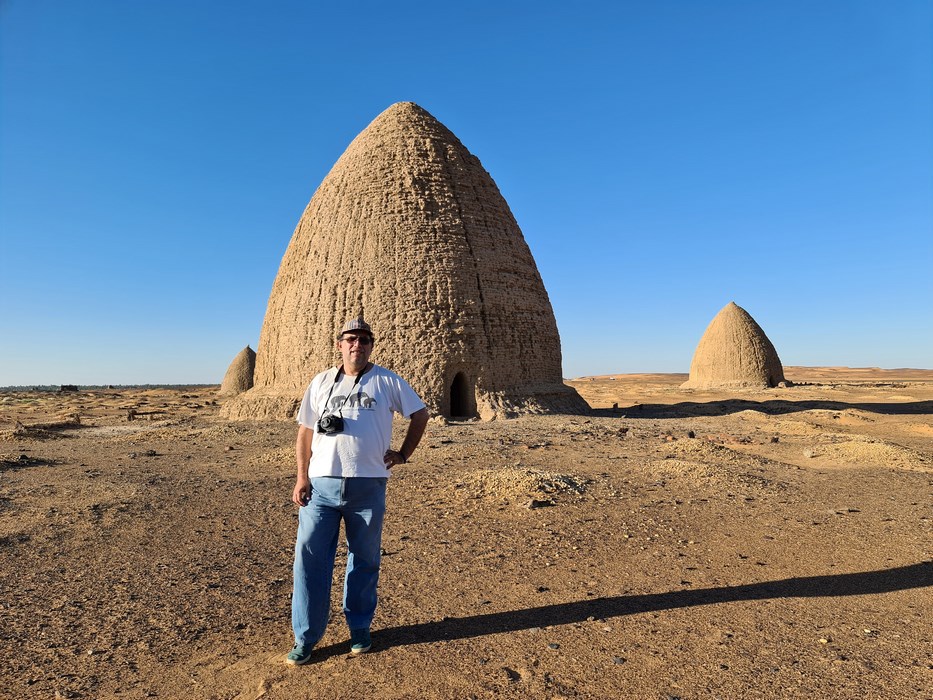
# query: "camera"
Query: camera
330,424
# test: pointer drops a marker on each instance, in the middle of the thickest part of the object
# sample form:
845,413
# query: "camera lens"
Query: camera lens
330,424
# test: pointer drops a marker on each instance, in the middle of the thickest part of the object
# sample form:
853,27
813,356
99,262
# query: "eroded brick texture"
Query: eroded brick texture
239,375
410,231
734,352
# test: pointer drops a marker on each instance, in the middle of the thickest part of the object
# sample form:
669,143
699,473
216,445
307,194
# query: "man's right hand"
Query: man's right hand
301,496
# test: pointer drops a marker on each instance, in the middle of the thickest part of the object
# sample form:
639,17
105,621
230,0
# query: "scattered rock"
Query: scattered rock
511,674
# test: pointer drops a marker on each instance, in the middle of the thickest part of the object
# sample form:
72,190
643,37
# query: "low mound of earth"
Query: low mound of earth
673,544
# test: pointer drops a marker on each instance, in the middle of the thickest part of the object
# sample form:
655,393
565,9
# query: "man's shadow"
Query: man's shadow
863,583
773,407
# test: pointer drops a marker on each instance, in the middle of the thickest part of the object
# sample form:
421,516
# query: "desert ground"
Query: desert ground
673,544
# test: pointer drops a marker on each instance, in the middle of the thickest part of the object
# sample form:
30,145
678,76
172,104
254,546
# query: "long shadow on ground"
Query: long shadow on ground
690,409
862,583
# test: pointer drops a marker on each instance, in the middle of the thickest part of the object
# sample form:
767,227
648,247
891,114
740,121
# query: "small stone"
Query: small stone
553,646
511,674
809,454
618,660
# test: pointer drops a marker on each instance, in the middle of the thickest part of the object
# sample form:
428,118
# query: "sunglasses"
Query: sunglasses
361,339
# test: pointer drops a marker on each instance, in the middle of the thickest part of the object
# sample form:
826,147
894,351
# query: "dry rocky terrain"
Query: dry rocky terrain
674,544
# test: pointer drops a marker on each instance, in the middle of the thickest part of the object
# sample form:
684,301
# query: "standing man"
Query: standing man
343,456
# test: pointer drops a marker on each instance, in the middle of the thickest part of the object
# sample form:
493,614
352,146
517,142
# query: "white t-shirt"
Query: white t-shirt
367,418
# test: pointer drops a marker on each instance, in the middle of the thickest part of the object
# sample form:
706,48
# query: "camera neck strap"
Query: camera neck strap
347,397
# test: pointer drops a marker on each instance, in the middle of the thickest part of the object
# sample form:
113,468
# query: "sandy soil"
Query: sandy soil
684,544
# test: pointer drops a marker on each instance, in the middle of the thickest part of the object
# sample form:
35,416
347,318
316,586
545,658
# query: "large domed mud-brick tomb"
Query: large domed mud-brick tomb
734,353
409,231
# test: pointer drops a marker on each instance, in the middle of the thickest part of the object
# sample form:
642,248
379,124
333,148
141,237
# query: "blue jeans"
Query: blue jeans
361,503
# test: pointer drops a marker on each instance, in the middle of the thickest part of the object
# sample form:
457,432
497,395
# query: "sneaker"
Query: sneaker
300,655
360,641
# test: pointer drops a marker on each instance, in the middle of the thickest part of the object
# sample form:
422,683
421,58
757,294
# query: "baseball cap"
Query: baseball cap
356,324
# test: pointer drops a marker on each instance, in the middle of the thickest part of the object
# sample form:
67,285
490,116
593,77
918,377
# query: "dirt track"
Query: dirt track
782,551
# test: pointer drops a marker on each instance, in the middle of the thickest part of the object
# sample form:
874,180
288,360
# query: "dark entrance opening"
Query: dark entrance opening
461,398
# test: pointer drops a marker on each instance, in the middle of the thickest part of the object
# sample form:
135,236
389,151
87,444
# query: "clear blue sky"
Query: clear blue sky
661,157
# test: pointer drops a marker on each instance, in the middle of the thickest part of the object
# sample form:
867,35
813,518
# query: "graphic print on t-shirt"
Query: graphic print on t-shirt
358,400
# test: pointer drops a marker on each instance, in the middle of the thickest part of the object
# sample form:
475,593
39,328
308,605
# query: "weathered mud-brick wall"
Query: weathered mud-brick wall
239,375
410,231
734,352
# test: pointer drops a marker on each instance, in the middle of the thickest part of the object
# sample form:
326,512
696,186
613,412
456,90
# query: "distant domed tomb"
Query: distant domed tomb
239,376
409,231
733,353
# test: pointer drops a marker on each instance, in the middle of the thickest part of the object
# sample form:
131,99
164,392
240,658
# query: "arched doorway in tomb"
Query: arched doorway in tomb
462,397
